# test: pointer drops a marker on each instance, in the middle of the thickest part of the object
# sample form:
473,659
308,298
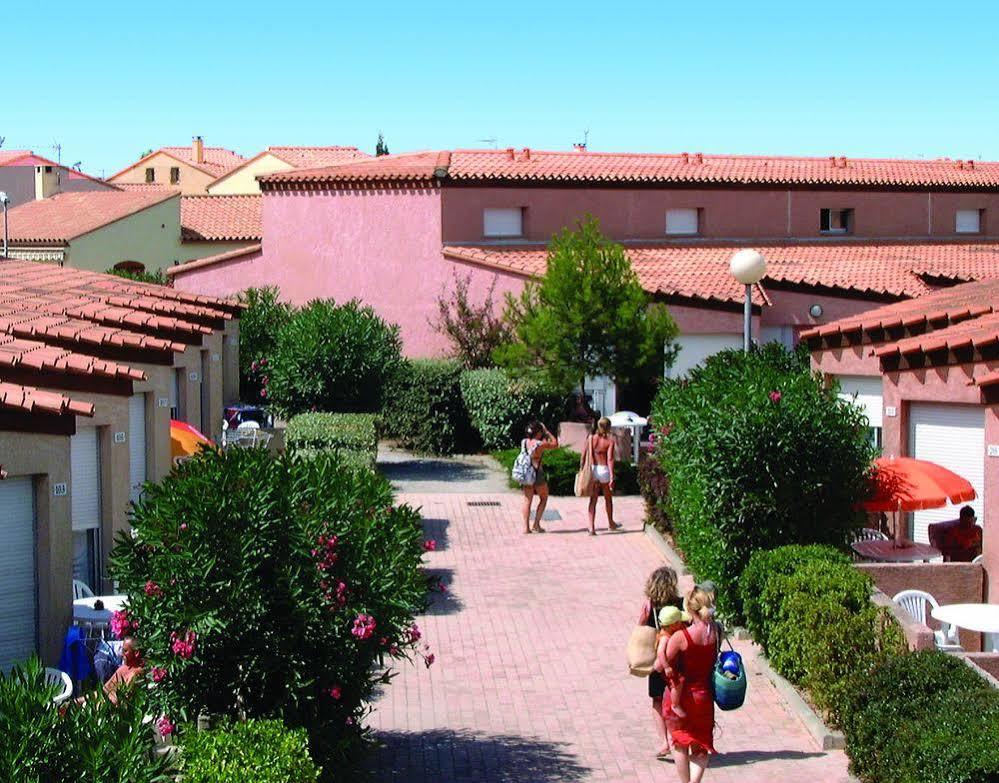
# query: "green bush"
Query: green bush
561,466
763,583
254,751
351,437
156,277
759,453
424,408
914,711
653,483
259,324
272,586
500,407
95,741
332,357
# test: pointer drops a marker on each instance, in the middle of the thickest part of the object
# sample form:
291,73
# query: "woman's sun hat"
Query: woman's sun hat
670,615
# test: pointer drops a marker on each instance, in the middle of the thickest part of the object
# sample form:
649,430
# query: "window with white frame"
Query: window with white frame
836,221
503,222
682,221
968,221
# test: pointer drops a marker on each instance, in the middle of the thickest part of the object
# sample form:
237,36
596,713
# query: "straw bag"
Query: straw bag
642,647
582,487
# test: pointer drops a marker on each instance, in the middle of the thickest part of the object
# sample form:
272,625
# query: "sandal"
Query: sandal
538,529
612,526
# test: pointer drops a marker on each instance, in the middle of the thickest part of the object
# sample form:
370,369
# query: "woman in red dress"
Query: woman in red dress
693,652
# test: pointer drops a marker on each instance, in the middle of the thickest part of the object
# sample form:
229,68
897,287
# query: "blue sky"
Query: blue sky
892,79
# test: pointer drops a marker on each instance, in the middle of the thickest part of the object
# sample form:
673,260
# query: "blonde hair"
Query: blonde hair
603,427
661,586
700,604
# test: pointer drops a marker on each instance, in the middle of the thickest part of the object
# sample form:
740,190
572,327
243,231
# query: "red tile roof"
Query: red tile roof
314,157
65,216
32,355
216,160
612,167
221,218
970,334
198,263
31,400
9,156
701,271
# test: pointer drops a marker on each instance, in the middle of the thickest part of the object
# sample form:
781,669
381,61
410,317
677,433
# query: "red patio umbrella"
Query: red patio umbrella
185,440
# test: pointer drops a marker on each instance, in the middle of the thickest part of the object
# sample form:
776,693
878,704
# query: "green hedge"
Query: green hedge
759,453
254,751
259,323
424,408
653,483
353,437
499,407
561,465
924,717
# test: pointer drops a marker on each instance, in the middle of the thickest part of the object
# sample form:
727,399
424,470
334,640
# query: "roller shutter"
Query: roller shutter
18,577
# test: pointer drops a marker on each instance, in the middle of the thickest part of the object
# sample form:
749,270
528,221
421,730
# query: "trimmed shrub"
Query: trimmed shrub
424,408
254,751
272,586
259,324
332,357
561,465
905,707
351,437
759,453
653,483
95,741
499,407
156,277
763,584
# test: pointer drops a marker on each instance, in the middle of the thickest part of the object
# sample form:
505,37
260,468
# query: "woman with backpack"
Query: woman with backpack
530,474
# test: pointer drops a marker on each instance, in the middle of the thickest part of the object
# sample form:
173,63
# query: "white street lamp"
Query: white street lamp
748,267
4,201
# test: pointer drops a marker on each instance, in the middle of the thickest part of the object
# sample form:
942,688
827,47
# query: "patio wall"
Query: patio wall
949,583
987,662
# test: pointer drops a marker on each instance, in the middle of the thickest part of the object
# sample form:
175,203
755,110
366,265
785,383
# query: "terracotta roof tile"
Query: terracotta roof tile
65,216
314,157
217,160
974,333
221,218
528,165
31,400
16,352
198,263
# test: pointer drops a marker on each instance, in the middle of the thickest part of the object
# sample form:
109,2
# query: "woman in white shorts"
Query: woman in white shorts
601,445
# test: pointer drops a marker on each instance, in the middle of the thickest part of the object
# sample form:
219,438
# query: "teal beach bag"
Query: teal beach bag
729,680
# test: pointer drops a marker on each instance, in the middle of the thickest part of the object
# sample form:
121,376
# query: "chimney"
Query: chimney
686,157
699,157
579,147
842,162
46,181
509,152
198,150
527,153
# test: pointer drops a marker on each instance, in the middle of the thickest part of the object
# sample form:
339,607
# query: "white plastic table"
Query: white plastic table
983,618
84,611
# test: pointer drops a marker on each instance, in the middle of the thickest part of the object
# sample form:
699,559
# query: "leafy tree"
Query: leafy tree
475,330
587,316
381,148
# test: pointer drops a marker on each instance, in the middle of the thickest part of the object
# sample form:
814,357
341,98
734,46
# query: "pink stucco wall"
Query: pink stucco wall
791,308
726,213
847,360
227,278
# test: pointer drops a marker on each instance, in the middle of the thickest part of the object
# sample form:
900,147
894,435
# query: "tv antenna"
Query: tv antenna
488,141
586,138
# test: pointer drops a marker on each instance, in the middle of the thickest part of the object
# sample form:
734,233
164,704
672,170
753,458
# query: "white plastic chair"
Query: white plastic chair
978,559
62,681
81,590
915,602
870,534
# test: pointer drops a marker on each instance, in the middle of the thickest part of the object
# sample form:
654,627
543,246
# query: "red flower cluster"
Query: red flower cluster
122,625
165,726
430,545
152,589
335,693
775,396
326,552
158,674
414,634
364,626
183,646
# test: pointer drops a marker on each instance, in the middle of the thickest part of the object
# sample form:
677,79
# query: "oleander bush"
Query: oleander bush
759,452
424,408
500,407
653,483
261,320
331,357
922,717
253,751
352,438
275,587
561,465
95,741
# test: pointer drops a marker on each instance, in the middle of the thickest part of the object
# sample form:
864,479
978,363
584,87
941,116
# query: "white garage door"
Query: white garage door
136,444
695,348
85,505
952,436
19,608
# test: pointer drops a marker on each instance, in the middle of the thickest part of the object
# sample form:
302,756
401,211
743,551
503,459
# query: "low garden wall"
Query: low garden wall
949,583
987,662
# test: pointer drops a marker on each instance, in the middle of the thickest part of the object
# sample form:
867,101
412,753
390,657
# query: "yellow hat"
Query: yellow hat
670,615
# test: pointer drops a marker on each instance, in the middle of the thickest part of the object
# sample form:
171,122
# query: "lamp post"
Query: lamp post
748,267
4,201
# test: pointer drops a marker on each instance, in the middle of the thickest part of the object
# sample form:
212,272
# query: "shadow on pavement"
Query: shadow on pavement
436,528
441,602
742,757
442,756
432,470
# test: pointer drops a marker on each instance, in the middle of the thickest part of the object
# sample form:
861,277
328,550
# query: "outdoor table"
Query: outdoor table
888,552
84,611
983,618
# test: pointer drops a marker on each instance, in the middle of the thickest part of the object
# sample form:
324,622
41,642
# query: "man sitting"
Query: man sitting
959,540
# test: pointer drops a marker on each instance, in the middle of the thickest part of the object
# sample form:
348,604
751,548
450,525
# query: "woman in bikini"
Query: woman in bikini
538,441
601,445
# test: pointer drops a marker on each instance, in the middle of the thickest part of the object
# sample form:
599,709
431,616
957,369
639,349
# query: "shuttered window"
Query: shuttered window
681,221
136,445
18,576
505,222
85,505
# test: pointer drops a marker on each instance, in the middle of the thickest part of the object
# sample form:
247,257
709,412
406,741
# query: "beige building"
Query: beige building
189,169
88,385
243,178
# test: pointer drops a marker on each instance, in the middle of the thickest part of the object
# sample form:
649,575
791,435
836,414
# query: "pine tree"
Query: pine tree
381,148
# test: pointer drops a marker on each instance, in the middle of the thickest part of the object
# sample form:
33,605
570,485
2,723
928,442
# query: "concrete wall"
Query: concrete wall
726,213
191,251
987,662
245,179
949,583
18,182
192,180
151,237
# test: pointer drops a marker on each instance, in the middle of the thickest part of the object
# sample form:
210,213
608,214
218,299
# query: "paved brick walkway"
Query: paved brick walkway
530,683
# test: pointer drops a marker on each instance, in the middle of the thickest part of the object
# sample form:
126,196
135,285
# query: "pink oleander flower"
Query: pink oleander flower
263,362
414,634
350,721
158,674
183,646
441,587
335,693
121,624
183,525
394,649
153,589
254,365
428,660
430,545
364,626
263,392
383,641
775,396
165,726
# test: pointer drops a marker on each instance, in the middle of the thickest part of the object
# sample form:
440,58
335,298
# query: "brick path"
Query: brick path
530,683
